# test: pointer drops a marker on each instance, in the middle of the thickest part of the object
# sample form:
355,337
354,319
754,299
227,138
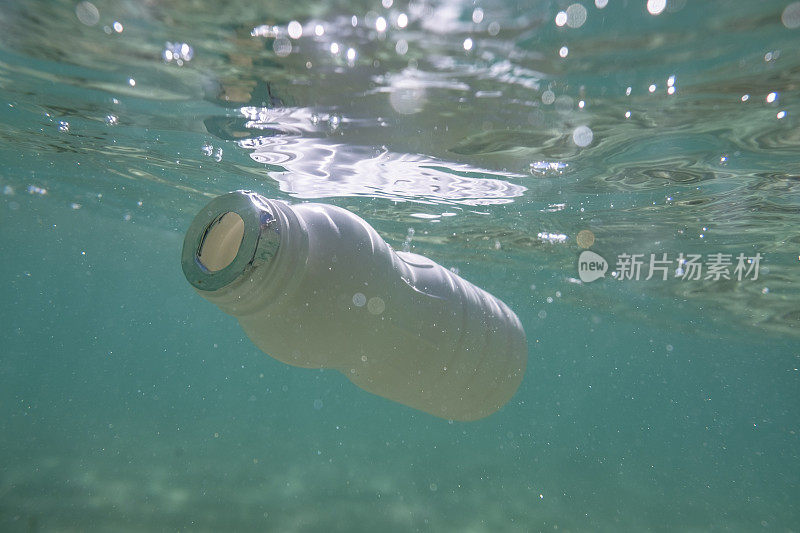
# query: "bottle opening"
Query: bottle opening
221,242
233,233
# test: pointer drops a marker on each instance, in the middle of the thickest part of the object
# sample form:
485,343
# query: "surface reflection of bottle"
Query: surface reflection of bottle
315,286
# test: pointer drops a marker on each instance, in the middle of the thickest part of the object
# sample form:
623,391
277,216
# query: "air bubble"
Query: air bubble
401,47
87,13
791,16
655,7
582,136
294,29
282,47
376,305
576,16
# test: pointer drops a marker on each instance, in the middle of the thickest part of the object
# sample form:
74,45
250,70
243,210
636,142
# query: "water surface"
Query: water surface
484,135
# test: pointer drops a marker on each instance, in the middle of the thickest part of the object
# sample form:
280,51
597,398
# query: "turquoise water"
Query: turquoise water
496,131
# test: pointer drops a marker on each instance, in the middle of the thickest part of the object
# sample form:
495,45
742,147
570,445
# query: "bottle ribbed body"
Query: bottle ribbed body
396,324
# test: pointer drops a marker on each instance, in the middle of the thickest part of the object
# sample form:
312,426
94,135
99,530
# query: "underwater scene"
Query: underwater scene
620,178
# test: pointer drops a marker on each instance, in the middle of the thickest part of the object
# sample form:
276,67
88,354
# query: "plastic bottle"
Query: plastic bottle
315,286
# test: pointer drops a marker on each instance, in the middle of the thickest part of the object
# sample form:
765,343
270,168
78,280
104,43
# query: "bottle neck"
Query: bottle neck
242,250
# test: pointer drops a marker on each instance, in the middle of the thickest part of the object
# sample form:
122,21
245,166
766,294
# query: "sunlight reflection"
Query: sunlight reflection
318,167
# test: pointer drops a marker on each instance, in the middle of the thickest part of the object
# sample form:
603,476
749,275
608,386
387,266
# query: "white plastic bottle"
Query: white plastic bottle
315,286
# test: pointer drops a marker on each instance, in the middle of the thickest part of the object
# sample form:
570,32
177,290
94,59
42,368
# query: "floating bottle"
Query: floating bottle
315,286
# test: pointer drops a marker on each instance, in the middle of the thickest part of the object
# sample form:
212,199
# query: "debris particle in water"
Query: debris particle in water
408,239
585,238
63,126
